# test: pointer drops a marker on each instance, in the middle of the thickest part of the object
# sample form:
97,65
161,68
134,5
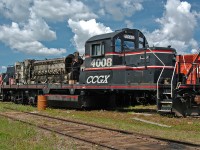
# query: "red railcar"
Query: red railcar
188,66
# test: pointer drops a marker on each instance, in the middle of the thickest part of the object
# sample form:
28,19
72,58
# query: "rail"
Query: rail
121,134
157,84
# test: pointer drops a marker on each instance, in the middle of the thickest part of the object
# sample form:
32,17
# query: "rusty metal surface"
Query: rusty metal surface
102,137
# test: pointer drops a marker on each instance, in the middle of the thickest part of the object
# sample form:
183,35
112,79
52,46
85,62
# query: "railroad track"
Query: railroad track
106,138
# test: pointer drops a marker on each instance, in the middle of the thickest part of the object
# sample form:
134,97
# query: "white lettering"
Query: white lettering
98,62
106,79
98,79
109,62
105,62
93,63
90,77
131,37
94,81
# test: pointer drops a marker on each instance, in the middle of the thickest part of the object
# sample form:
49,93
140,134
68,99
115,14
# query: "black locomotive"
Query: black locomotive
118,68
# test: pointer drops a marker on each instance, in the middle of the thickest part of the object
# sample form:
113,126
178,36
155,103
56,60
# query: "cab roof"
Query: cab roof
111,35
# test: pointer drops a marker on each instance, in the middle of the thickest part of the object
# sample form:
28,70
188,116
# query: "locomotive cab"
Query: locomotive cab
123,57
111,45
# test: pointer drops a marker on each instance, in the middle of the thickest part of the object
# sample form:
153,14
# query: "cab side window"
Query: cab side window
117,45
97,49
141,42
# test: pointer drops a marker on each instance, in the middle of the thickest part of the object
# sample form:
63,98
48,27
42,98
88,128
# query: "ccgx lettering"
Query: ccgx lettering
98,79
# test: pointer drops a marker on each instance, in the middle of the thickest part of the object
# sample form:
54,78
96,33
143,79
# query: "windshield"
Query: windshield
129,45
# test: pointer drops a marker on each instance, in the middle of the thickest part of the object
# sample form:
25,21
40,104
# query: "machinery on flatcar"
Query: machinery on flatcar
57,70
119,68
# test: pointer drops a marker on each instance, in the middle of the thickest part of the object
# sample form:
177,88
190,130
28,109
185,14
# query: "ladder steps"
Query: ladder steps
166,106
166,93
166,102
166,110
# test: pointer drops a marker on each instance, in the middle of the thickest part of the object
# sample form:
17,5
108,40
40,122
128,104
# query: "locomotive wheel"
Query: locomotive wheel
2,98
32,101
18,100
5,97
13,99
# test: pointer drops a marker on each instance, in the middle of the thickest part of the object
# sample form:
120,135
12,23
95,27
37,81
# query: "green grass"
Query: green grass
184,129
15,106
18,136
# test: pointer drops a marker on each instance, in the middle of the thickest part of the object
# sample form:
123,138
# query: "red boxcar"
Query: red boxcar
186,64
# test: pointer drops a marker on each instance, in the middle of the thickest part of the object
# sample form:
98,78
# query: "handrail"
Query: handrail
184,64
191,68
173,79
178,85
157,84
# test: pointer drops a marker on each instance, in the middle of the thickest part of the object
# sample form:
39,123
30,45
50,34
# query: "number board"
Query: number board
104,62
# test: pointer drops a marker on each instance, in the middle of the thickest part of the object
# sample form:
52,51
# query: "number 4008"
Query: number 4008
105,62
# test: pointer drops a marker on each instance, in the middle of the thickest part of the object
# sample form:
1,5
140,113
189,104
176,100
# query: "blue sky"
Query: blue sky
39,29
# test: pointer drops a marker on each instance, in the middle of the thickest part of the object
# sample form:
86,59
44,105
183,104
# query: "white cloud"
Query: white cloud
60,10
177,27
129,24
3,67
83,30
39,29
25,39
120,9
194,51
16,10
30,23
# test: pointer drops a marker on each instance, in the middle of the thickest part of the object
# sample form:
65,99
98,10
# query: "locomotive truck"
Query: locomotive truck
118,68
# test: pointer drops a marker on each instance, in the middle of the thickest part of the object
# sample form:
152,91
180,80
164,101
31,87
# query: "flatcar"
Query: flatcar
118,68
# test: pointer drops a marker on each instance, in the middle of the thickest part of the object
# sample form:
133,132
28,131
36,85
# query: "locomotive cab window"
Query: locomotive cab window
117,45
141,39
129,45
97,49
129,42
142,42
141,45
